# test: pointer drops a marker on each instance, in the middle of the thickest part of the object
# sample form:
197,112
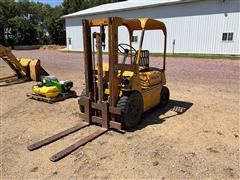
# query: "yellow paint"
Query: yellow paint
34,67
50,91
139,55
135,83
25,61
151,96
107,91
105,66
163,78
127,73
150,78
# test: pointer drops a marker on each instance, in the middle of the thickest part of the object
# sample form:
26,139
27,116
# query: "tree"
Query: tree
70,6
7,9
56,26
21,31
24,22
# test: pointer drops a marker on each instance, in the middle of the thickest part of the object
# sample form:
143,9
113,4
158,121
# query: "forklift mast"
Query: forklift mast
109,116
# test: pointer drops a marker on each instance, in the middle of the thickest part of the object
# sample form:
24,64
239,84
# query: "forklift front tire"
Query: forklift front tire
132,109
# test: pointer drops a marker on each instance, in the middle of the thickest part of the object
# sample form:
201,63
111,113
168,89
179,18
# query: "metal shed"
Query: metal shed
194,26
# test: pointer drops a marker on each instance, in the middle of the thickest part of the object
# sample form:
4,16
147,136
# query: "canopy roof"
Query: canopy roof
143,24
133,23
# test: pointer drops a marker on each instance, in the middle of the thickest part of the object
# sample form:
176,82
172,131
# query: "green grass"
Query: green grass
201,56
183,55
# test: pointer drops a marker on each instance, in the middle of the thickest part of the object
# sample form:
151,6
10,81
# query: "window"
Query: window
134,39
227,36
230,36
224,36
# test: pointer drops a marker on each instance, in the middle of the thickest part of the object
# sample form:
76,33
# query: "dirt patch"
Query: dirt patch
196,136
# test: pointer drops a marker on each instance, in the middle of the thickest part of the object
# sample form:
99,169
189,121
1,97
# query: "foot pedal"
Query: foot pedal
76,145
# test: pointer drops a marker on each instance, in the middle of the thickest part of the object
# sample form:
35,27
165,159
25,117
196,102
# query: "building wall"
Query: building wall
196,27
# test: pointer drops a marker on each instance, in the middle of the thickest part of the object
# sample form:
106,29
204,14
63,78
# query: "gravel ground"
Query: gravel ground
195,136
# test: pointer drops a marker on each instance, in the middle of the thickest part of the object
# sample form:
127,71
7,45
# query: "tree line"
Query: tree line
25,22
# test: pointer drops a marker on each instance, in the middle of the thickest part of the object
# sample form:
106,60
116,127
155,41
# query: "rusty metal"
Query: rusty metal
115,110
96,106
100,66
76,145
87,115
113,61
115,125
105,115
56,137
87,57
107,109
94,68
165,50
96,119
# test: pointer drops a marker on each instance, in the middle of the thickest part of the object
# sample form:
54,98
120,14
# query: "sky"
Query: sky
51,2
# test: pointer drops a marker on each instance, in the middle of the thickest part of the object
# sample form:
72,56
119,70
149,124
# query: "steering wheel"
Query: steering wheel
123,50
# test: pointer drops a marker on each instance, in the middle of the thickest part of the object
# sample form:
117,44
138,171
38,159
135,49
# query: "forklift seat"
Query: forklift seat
149,76
144,60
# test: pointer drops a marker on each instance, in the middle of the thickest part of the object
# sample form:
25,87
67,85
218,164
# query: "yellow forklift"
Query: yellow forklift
117,92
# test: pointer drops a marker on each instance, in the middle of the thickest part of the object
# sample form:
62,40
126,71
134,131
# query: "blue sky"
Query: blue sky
51,2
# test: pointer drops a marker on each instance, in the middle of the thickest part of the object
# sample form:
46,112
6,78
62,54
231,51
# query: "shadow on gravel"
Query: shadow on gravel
152,116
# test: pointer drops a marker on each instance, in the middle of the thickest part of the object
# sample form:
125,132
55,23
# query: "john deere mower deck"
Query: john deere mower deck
116,93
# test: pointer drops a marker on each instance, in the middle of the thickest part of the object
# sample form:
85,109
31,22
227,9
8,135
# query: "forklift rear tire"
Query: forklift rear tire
164,97
132,109
83,93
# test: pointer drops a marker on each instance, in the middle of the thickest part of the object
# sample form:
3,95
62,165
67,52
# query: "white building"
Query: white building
193,26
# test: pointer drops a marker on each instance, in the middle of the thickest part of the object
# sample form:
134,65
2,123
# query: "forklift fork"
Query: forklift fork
64,133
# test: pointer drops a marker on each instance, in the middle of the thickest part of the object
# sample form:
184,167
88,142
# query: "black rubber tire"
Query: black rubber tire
132,109
83,93
164,97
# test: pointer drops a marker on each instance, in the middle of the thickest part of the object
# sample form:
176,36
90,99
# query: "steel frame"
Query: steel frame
108,109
